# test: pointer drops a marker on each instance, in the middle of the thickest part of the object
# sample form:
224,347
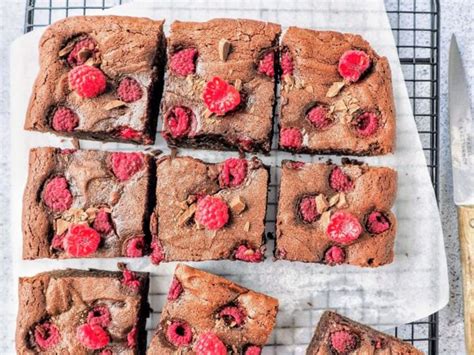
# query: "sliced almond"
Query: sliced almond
187,215
335,88
84,54
333,200
325,218
247,226
61,226
342,200
224,49
67,49
183,205
114,104
309,89
93,61
340,106
237,205
238,84
207,113
321,203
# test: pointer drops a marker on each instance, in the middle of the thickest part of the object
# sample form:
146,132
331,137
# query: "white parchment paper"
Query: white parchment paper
413,287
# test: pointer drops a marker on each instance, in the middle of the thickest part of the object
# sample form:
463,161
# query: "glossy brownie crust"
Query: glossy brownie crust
129,47
315,56
374,190
252,121
370,341
93,185
203,295
65,297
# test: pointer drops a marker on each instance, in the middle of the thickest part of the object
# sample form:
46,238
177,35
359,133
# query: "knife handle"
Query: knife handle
466,241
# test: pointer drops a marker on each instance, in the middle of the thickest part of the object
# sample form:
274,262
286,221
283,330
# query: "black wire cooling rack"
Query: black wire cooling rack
415,25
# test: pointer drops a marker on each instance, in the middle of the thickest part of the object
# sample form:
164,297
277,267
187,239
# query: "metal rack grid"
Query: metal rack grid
415,25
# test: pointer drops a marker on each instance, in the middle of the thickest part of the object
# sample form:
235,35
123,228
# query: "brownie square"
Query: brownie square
323,111
83,312
86,203
336,214
336,334
207,211
220,84
120,61
203,308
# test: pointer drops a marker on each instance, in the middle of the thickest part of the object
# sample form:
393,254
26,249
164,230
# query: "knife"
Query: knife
462,155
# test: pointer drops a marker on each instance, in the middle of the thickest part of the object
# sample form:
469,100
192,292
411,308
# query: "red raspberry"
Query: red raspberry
135,247
129,133
182,63
102,222
245,253
132,338
319,117
178,121
344,228
343,342
267,65
296,165
377,223
335,255
353,64
129,279
307,209
64,120
233,172
253,350
125,165
86,43
56,194
233,316
157,253
212,213
179,333
88,81
220,97
286,63
81,240
367,124
291,138
57,242
340,181
175,290
99,315
129,90
245,144
209,344
93,337
46,335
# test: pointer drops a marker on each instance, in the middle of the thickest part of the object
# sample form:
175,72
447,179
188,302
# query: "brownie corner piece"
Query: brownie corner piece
221,84
336,95
203,308
336,214
100,78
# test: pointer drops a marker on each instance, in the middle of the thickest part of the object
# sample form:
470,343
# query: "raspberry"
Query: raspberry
334,255
343,342
367,124
81,240
220,97
253,350
291,138
130,280
125,165
132,338
99,315
93,337
179,333
353,64
344,228
339,181
307,209
57,242
102,222
212,213
296,165
129,133
56,194
157,253
245,144
209,344
175,290
233,172
245,253
64,120
377,223
319,117
86,43
129,90
88,81
135,247
182,62
178,121
46,335
286,63
233,316
267,65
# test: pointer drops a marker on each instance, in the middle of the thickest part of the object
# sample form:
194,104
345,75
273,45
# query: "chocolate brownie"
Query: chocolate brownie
100,78
220,84
207,314
336,95
209,211
86,203
336,334
83,312
336,214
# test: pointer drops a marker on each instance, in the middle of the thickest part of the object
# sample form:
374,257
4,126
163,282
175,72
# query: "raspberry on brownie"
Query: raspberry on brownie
210,315
221,207
100,78
336,214
220,87
86,203
336,334
336,95
79,312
